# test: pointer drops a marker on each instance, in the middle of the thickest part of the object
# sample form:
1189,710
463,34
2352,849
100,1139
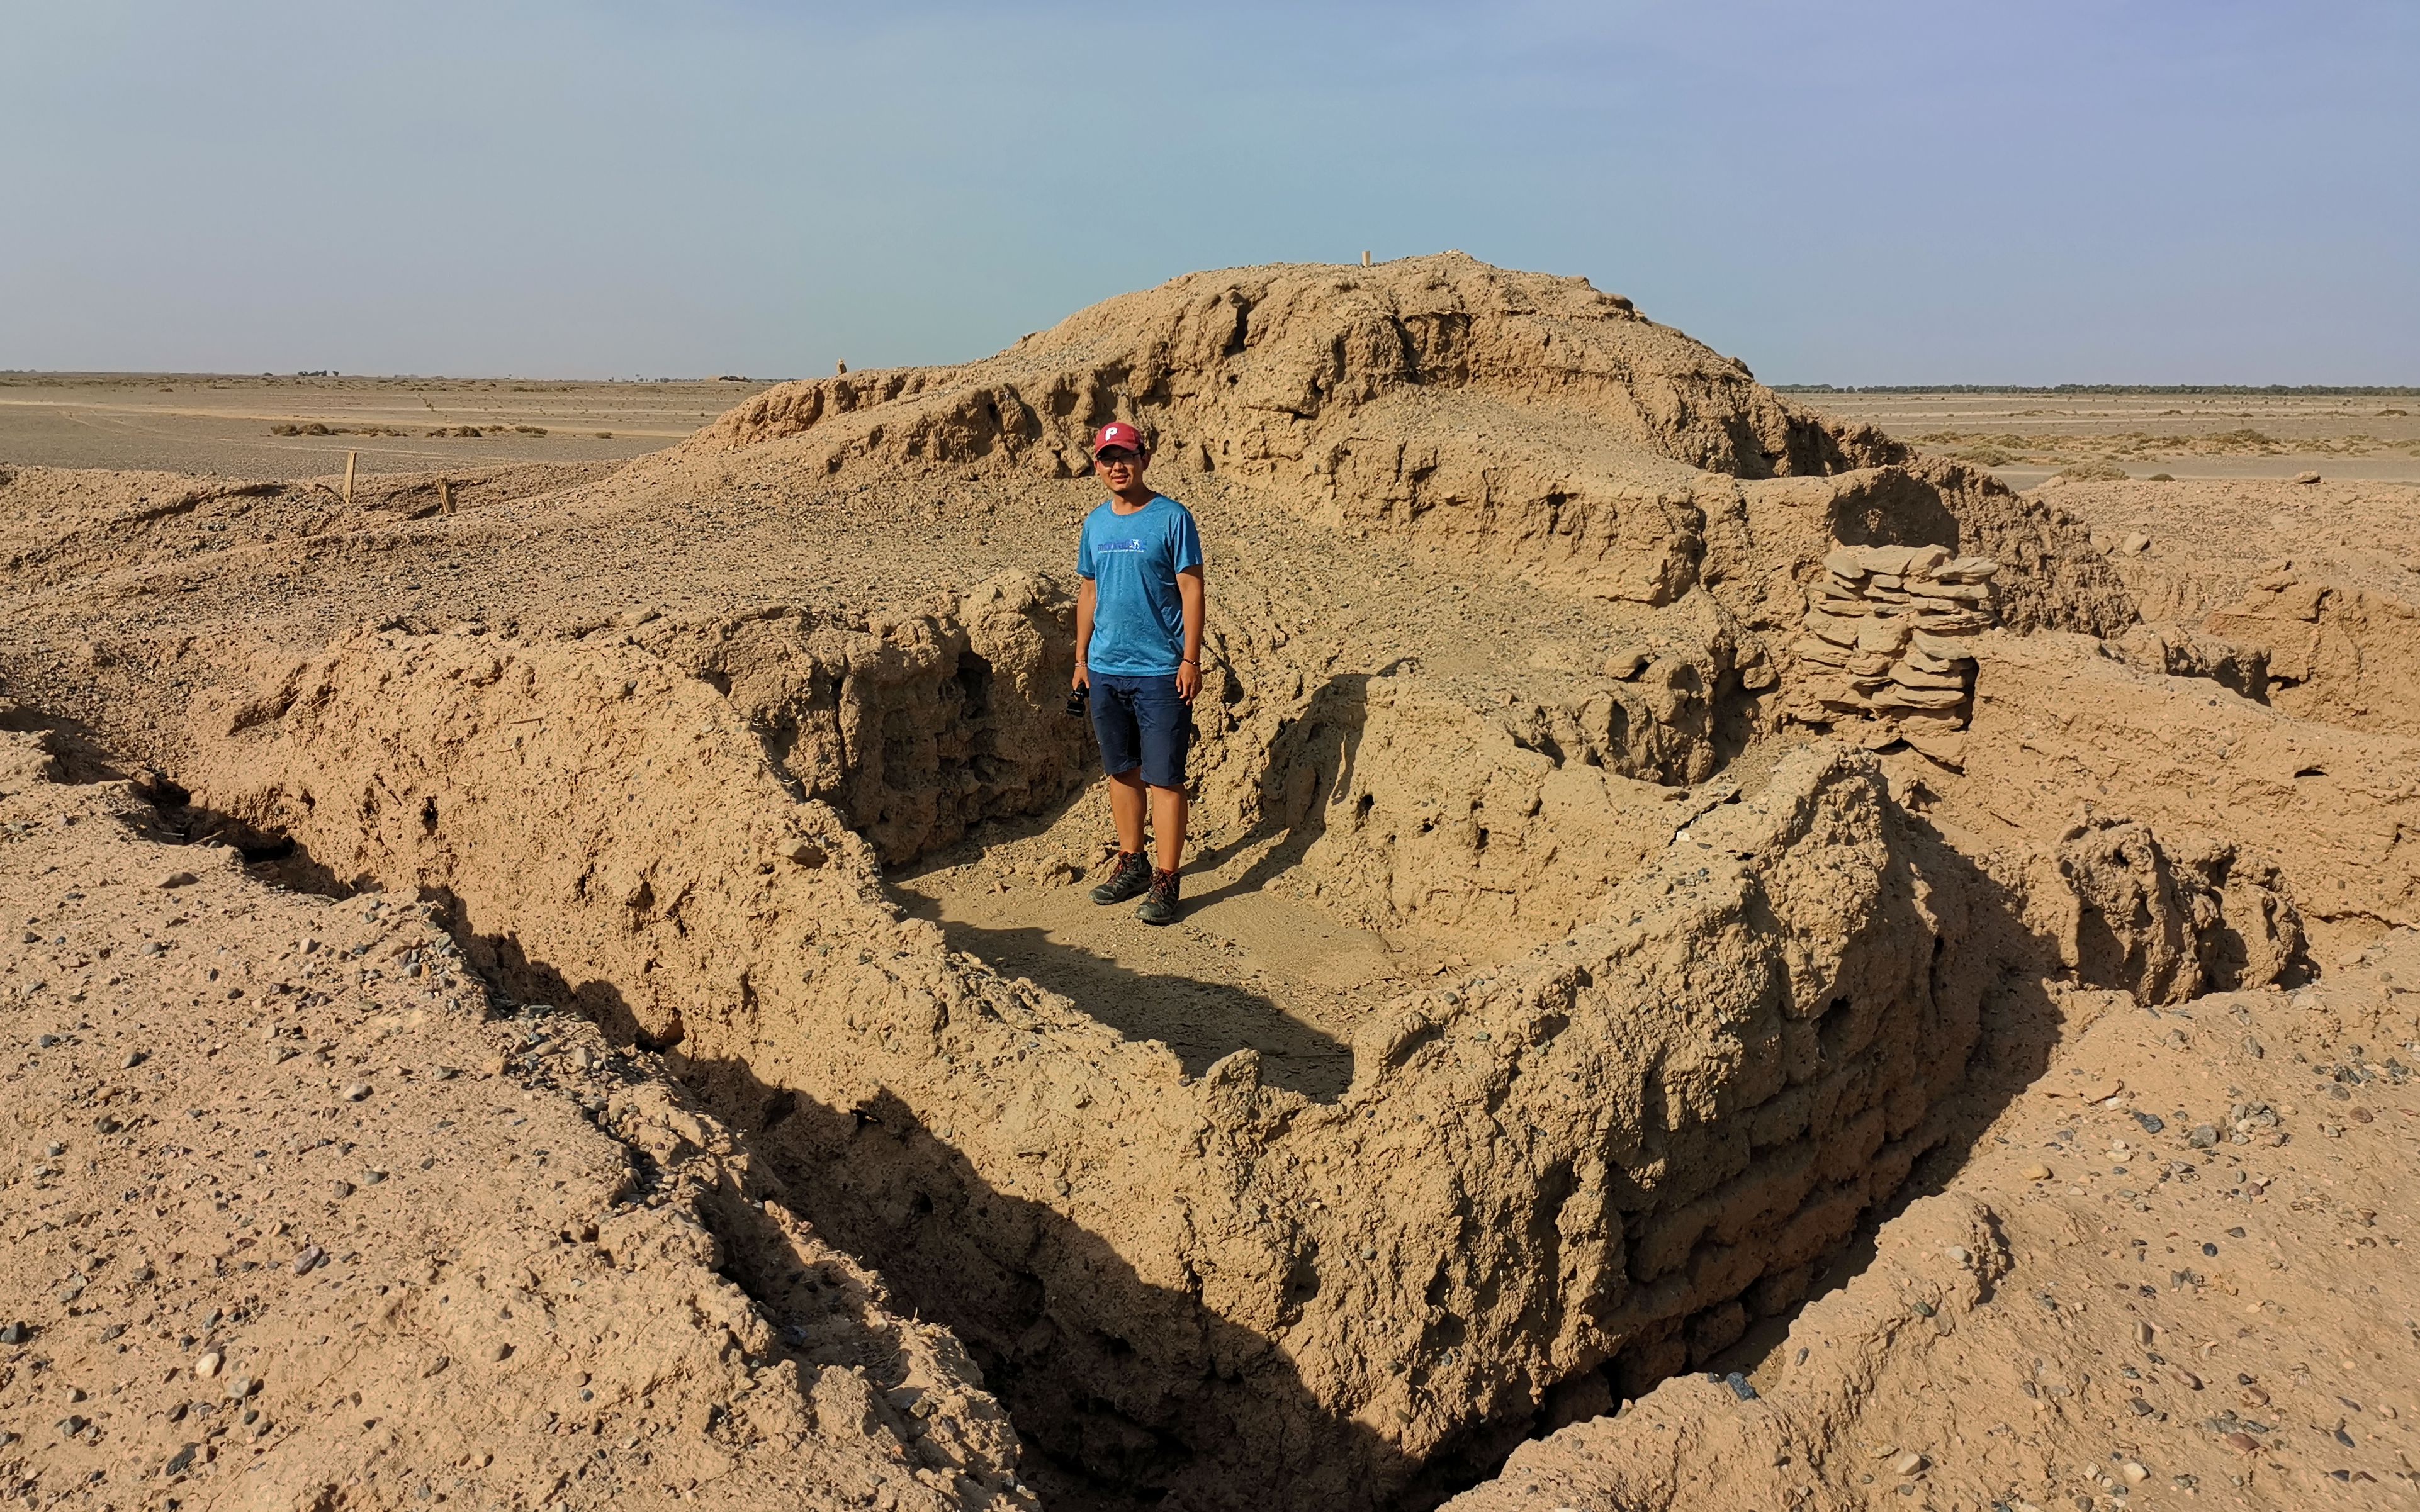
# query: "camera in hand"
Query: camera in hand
1075,698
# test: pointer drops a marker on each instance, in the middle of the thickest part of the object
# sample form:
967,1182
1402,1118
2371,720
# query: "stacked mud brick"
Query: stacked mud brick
1889,633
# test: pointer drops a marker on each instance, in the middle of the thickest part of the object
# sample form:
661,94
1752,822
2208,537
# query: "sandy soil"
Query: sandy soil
1986,1043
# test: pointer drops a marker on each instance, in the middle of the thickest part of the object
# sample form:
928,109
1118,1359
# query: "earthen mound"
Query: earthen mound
1644,833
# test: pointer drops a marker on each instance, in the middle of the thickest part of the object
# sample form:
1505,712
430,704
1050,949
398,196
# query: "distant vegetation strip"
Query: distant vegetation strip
2291,390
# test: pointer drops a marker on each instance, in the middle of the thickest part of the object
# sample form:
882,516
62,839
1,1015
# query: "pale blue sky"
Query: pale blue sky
2164,191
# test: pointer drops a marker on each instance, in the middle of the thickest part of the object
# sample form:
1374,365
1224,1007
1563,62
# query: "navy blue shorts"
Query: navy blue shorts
1141,722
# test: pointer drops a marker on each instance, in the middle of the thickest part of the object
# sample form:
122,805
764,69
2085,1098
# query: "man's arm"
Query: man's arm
1086,591
1188,672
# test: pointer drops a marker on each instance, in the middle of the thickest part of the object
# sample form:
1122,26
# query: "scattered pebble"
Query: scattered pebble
357,1091
208,1365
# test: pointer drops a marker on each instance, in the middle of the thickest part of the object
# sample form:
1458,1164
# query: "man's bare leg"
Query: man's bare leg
1168,815
1126,807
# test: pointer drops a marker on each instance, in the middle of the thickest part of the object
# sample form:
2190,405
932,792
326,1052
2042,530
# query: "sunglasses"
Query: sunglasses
1116,457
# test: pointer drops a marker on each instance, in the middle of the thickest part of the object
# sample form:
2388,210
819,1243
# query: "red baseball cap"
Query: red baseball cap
1117,433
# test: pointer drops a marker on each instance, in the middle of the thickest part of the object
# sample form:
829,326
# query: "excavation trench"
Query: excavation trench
1342,1250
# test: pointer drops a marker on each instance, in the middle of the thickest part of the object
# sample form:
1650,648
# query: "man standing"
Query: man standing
1139,649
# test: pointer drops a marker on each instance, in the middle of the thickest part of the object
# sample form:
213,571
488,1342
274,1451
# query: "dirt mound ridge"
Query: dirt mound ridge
293,1221
1534,420
1249,369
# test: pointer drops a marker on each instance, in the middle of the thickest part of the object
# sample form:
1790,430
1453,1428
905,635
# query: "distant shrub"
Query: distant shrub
1986,456
2090,472
604,435
310,428
2162,477
531,430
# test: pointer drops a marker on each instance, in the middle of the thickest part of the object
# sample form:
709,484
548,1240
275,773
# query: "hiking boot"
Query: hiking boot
1160,908
1131,878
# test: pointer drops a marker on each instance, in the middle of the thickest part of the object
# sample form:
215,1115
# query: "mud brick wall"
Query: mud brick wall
1889,634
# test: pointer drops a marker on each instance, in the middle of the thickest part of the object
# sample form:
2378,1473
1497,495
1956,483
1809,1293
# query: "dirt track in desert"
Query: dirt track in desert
1735,958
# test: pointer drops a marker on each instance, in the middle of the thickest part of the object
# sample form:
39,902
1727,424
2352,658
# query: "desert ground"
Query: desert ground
1792,951
275,426
2027,437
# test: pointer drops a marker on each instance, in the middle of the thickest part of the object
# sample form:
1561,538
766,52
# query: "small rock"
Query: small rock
55,1150
1958,1254
2151,1122
2203,1138
2303,477
2036,1173
182,1460
239,1387
134,1058
372,1177
357,1091
2192,1383
2245,1442
1908,1464
2133,543
207,1366
2135,1475
176,879
804,852
2143,1332
1624,665
309,1259
15,1333
1739,1387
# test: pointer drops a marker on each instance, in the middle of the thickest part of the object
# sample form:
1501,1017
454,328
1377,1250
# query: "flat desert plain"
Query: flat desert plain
2026,436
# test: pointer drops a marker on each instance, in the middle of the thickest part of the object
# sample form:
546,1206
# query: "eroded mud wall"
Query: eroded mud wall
916,725
1204,1285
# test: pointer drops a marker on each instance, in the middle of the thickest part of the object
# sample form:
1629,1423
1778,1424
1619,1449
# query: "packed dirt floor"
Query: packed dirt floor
1729,962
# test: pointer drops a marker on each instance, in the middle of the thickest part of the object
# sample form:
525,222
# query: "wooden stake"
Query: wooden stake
1365,256
444,496
349,479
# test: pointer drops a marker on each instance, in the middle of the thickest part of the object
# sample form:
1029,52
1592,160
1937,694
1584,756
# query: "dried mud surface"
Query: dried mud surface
1602,967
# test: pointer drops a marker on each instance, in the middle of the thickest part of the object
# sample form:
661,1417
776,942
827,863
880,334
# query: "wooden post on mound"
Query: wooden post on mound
1365,256
445,496
349,479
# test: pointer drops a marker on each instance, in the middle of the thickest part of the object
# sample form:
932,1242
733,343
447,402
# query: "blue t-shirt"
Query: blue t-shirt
1133,560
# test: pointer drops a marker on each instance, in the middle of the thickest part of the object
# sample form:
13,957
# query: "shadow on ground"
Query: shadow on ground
1201,1021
